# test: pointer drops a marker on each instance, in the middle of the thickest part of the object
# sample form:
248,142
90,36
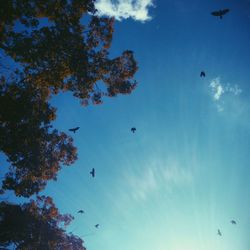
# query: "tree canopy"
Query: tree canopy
55,46
63,53
36,225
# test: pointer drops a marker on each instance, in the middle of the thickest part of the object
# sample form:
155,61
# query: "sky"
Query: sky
185,172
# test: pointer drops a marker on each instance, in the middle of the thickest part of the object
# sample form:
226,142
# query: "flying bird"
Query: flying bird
133,129
219,232
220,13
80,212
97,225
202,74
92,172
74,129
233,222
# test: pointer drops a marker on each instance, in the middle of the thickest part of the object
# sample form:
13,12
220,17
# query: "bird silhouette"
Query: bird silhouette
220,13
92,172
202,74
219,232
97,225
74,129
233,222
133,129
80,212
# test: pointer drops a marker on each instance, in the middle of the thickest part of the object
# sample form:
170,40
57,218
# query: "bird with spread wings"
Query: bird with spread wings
220,13
74,129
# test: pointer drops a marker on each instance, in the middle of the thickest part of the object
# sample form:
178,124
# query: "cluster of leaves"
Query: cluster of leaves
36,225
27,12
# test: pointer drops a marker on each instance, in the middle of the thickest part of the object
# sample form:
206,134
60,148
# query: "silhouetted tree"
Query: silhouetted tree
65,54
35,150
56,46
36,225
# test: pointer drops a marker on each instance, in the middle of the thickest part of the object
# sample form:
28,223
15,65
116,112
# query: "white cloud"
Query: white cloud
123,9
219,90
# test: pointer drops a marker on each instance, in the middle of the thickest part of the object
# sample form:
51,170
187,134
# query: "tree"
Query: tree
34,149
36,225
56,46
66,54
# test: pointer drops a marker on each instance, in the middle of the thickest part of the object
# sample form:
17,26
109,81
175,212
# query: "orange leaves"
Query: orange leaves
35,152
61,54
100,32
65,55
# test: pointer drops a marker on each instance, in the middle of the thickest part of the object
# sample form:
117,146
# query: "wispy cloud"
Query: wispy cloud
176,175
236,90
144,184
167,176
123,9
219,90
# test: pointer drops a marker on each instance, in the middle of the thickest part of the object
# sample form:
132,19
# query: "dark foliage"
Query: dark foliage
36,225
34,150
65,54
56,46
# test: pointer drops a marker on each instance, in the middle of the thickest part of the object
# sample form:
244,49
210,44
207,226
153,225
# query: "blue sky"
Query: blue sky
185,173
